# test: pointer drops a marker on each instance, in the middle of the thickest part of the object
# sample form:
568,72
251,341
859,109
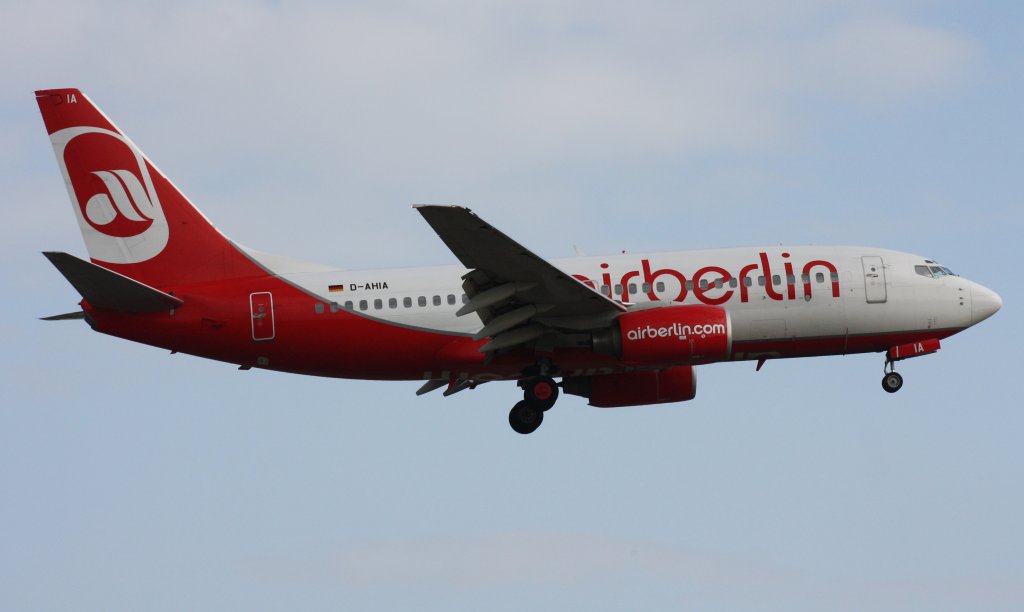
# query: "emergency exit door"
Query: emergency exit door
874,279
261,309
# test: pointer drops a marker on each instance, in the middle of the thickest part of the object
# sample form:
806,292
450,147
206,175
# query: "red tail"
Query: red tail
133,219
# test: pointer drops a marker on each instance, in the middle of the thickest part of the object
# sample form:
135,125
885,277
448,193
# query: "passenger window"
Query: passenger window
776,280
805,278
605,289
790,279
348,305
378,304
632,288
392,303
618,289
660,286
407,302
437,300
363,305
646,287
465,298
689,285
334,307
834,276
718,283
703,283
748,282
733,282
819,277
422,301
760,281
451,299
318,308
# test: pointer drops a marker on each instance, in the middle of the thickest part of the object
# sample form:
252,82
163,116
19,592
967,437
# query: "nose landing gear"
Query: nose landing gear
892,381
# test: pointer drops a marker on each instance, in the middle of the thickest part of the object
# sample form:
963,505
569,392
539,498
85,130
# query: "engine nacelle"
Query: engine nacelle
677,384
669,335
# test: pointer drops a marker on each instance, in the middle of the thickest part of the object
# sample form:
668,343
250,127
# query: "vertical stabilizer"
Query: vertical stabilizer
133,219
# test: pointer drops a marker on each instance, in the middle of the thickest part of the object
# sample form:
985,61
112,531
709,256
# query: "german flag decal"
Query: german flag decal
335,288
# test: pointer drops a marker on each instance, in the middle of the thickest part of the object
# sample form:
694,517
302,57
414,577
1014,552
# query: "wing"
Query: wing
519,296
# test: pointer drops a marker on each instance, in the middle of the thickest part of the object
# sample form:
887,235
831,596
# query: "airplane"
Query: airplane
622,330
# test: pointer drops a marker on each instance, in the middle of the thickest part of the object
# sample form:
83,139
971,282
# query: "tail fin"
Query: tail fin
134,220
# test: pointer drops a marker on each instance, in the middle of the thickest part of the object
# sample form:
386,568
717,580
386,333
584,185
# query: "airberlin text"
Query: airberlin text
714,285
676,329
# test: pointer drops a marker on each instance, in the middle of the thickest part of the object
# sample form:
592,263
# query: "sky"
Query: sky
132,479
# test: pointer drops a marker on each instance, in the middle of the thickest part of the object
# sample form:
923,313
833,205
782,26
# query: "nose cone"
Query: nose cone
984,303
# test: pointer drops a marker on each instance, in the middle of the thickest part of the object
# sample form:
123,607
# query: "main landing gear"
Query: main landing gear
892,381
539,394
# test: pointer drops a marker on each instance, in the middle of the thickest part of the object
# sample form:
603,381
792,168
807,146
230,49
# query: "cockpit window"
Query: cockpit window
934,271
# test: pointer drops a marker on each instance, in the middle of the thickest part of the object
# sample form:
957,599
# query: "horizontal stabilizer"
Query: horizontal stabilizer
68,316
103,288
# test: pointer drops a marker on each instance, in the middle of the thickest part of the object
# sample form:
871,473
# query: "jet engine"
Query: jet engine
668,335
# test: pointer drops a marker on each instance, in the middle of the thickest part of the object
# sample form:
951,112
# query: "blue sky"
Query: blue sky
132,479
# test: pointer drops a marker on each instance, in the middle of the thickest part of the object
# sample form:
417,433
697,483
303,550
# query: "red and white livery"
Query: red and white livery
622,330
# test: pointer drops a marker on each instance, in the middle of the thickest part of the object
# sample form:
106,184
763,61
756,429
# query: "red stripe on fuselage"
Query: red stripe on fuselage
832,345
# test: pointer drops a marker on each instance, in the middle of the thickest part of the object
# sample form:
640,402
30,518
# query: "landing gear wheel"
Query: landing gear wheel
892,382
524,418
540,392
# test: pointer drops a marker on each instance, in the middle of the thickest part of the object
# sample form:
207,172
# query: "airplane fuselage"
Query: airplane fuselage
401,323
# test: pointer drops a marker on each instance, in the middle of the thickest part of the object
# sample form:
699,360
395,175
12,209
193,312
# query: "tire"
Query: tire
541,392
892,382
524,418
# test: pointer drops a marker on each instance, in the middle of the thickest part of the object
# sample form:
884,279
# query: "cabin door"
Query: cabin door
874,279
261,309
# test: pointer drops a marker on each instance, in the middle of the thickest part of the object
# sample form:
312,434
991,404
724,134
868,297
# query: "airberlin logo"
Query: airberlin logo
130,200
715,285
680,331
117,206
